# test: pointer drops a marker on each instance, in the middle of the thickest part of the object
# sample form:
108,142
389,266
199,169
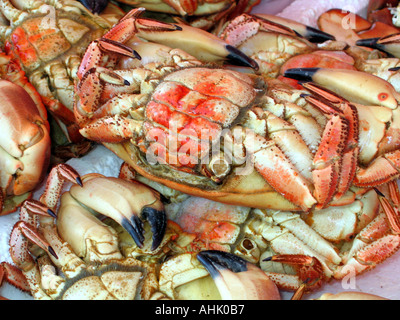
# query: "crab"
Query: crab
78,256
164,134
214,274
279,44
26,139
83,248
47,39
298,252
270,40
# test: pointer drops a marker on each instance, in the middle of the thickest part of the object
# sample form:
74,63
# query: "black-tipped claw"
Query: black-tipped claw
135,229
79,181
236,278
113,46
214,261
52,252
301,74
370,43
51,213
379,193
237,57
317,36
95,6
158,223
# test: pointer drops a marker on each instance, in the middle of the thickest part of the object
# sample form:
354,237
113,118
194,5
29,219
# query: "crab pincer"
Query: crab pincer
389,44
237,278
355,86
126,202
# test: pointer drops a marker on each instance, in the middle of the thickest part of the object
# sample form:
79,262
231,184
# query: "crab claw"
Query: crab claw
196,42
355,86
128,203
389,44
237,278
310,33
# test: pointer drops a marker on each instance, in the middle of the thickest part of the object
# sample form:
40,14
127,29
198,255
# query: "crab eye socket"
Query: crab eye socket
382,96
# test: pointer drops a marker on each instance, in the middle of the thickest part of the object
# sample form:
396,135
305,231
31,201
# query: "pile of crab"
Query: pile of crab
263,155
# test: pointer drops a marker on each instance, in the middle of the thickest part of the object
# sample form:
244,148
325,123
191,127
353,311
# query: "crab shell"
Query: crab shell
24,142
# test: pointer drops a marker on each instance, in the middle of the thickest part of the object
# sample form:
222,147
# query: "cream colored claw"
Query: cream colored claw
125,202
310,33
196,42
355,86
236,278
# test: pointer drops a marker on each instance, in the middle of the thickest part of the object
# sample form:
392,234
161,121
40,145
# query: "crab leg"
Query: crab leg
111,129
375,243
346,150
382,170
58,175
46,238
310,271
236,278
355,86
14,276
310,33
21,234
268,160
391,214
351,148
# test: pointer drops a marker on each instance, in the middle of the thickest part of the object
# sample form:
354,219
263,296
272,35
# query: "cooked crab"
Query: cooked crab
48,39
79,245
25,141
198,129
298,252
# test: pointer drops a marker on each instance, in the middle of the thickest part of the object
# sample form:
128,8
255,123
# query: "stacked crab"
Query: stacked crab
315,160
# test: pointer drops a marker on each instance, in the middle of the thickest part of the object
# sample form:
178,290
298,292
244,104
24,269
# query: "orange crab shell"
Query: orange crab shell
26,140
246,190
